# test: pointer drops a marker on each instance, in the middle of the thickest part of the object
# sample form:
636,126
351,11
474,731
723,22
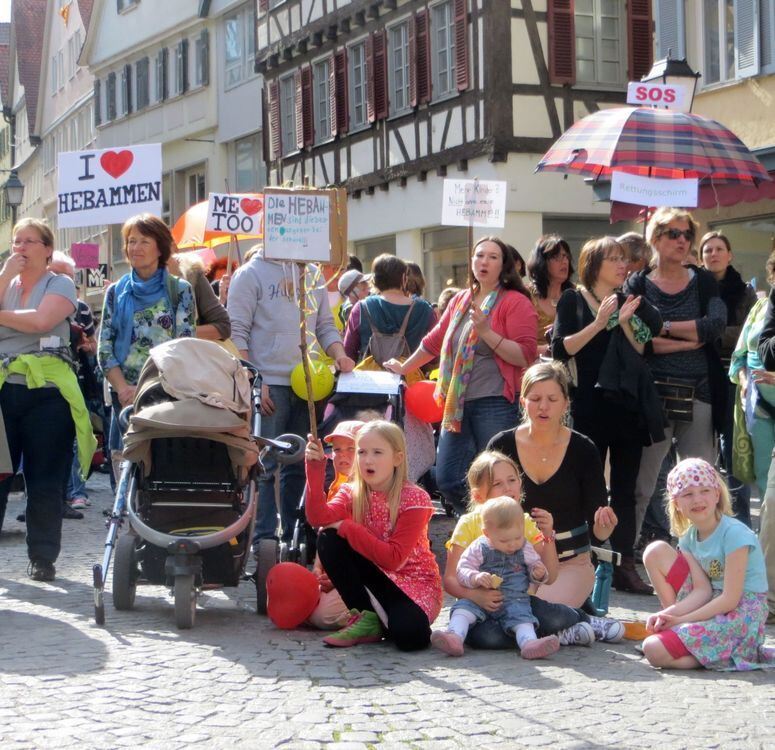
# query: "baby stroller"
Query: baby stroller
188,481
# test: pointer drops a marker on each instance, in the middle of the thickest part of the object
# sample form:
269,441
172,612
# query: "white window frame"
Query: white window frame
288,114
196,178
233,68
442,41
394,64
598,47
252,144
358,89
240,68
321,99
726,72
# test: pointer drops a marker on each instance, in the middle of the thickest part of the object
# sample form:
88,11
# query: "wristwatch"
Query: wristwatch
666,327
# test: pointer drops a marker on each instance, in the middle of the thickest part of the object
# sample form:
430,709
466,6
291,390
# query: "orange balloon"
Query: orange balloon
420,402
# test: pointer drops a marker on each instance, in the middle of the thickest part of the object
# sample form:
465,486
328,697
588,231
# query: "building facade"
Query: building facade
390,97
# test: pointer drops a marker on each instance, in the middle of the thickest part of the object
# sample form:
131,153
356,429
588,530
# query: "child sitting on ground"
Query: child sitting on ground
499,559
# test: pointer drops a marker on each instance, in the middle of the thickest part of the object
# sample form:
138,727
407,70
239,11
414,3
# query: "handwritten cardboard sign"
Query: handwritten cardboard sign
237,213
478,203
305,225
108,186
85,254
653,191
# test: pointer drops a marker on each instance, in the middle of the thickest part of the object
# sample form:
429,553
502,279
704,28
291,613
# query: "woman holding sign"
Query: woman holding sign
145,307
485,339
42,405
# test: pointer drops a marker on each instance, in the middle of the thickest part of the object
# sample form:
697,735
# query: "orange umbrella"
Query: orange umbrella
189,230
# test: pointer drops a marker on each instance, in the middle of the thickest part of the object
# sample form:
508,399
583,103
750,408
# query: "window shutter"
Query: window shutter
747,38
412,33
638,39
378,74
263,4
338,91
461,44
299,110
111,97
165,73
369,49
127,88
182,66
306,105
204,60
767,22
423,57
669,22
273,91
562,41
97,102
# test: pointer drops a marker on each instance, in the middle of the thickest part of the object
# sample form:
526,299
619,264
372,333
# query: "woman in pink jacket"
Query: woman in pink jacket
485,340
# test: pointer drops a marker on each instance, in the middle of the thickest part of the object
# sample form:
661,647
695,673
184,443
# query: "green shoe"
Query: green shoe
362,627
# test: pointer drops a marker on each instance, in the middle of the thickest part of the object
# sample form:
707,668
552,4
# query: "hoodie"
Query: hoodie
264,315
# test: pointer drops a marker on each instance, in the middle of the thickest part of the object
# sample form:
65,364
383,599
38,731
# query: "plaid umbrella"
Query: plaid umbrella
653,143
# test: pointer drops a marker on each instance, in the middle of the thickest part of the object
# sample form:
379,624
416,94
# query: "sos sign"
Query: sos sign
669,96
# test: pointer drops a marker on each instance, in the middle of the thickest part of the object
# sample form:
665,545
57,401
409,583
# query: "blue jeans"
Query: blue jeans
38,425
290,415
76,487
482,419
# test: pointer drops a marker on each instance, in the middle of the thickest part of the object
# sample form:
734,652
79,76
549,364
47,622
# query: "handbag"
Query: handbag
677,396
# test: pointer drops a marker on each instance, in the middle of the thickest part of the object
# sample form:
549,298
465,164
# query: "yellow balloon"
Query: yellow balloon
321,379
434,374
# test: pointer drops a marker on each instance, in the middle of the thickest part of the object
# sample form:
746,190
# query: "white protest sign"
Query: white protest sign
108,186
297,225
478,203
235,213
674,96
652,191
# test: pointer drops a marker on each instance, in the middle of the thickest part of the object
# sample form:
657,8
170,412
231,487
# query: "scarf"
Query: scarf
133,294
455,367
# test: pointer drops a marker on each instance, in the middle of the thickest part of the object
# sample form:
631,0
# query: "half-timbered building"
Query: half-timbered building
388,97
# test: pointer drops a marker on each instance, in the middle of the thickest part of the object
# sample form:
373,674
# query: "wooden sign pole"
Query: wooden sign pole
313,422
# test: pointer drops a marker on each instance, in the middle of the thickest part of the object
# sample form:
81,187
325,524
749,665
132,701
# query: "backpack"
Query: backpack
385,346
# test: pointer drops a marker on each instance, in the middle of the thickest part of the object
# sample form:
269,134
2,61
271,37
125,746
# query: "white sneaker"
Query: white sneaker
580,634
610,631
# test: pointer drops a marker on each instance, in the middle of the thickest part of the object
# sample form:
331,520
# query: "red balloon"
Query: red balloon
292,593
420,402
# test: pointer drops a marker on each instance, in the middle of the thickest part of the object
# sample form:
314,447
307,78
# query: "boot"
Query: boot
626,578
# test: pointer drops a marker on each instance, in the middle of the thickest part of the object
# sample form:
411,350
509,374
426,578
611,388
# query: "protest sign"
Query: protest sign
108,186
305,225
653,191
96,277
478,203
85,254
239,213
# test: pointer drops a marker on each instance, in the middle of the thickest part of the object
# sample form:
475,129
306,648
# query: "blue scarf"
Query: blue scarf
133,294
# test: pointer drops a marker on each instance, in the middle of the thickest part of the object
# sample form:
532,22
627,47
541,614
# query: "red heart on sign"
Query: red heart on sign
251,206
116,163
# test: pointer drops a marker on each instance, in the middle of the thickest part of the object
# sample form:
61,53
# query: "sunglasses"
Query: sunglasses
674,234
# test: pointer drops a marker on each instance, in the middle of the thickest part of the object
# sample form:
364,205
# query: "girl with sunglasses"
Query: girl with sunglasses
684,357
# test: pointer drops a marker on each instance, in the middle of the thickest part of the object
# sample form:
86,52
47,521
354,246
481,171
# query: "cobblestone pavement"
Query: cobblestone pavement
235,681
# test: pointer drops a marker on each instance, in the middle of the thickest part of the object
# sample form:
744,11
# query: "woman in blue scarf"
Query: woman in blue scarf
143,308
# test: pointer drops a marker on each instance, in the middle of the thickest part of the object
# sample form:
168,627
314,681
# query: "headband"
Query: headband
691,472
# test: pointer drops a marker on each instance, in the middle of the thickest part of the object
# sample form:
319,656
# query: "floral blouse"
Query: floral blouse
152,326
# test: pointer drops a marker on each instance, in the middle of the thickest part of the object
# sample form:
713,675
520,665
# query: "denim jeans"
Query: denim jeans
76,487
482,419
39,426
290,415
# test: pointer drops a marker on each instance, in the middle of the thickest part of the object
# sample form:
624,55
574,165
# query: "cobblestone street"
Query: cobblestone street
236,681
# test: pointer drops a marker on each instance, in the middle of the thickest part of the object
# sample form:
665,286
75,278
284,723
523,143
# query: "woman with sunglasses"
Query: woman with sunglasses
684,358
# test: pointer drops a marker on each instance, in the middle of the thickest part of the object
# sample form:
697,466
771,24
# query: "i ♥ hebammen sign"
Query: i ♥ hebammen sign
108,186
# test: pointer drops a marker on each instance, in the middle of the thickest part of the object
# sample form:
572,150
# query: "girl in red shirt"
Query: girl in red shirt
374,542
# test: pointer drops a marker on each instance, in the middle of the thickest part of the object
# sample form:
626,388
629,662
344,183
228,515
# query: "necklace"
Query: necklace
553,302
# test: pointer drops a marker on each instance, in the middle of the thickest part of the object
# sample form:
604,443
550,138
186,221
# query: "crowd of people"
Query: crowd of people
565,406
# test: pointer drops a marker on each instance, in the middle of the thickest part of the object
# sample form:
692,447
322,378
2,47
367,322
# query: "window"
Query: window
322,100
124,5
443,49
73,50
239,46
398,67
54,80
287,114
202,56
126,90
195,187
358,109
61,69
111,97
97,102
161,66
142,83
49,156
247,167
181,67
599,37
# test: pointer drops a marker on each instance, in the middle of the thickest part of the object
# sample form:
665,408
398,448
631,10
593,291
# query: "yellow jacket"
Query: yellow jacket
40,369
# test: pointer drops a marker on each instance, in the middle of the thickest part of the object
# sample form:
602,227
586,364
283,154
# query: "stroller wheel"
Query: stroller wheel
185,602
125,573
303,555
266,558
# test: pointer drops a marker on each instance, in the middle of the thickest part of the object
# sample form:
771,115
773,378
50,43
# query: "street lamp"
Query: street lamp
676,72
13,191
